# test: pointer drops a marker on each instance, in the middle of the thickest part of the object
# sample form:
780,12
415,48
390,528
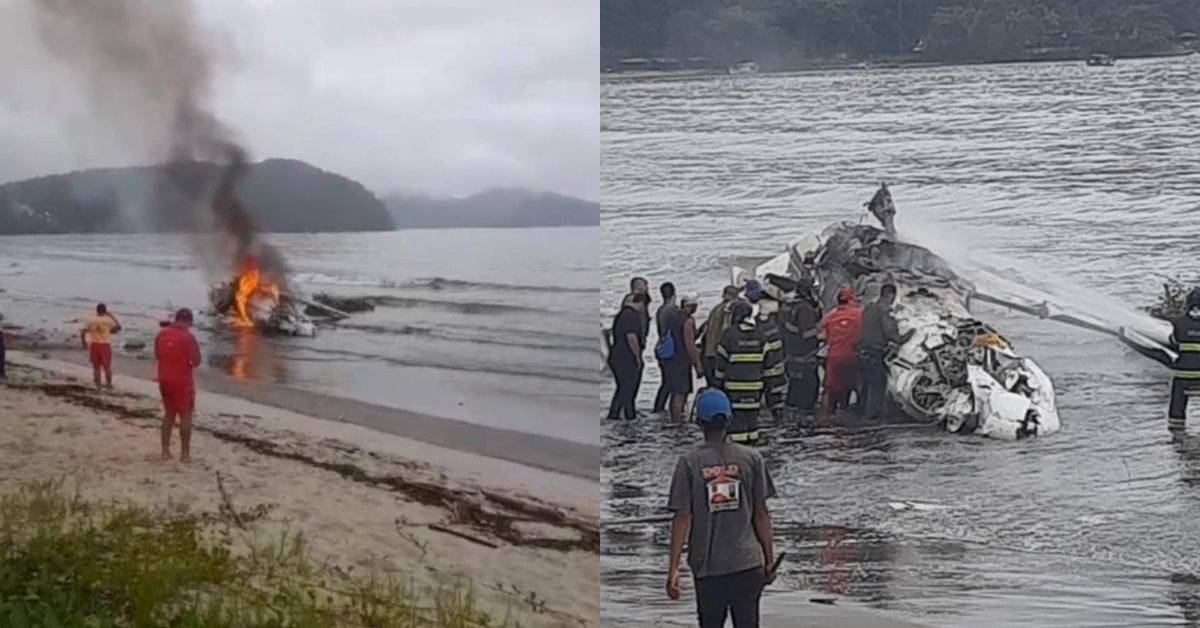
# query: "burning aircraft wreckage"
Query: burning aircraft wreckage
956,370
258,296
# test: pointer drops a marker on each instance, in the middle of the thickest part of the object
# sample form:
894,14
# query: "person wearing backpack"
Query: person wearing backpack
667,344
684,357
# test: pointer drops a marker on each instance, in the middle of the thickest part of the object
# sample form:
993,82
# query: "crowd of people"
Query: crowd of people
765,349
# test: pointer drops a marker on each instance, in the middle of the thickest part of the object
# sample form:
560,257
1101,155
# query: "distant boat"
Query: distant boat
745,68
1101,60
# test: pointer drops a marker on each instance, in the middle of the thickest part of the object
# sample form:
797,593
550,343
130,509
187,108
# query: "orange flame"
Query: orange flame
251,287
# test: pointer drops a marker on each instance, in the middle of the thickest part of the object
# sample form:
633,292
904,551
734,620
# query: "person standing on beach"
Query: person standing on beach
662,317
178,354
639,285
96,336
719,496
717,323
678,369
625,357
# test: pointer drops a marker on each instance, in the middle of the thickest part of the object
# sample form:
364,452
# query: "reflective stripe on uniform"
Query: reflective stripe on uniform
722,352
719,374
779,390
1187,374
746,357
812,333
1176,424
774,371
1190,347
745,405
774,345
743,386
742,437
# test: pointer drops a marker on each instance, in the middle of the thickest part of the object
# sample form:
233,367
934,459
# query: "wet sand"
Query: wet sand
798,609
526,539
541,452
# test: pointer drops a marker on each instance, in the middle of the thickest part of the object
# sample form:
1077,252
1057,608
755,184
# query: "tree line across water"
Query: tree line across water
789,33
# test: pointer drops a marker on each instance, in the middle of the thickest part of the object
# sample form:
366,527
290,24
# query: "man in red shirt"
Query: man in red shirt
177,353
840,329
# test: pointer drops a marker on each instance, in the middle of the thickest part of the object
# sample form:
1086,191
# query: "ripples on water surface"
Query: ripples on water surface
1085,181
488,326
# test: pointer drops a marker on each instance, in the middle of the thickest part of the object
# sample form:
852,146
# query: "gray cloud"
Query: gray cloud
438,96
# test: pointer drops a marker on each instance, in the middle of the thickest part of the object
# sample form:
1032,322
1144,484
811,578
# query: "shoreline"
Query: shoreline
527,539
536,451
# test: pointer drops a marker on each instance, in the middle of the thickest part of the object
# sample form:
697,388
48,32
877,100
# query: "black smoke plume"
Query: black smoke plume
149,68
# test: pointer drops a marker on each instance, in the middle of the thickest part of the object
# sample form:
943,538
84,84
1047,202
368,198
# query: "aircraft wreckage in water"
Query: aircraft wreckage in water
255,300
956,370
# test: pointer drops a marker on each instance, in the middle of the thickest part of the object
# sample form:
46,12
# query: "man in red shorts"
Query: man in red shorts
96,337
178,354
840,330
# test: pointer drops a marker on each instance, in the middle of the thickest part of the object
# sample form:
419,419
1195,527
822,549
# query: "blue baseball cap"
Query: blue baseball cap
754,287
713,408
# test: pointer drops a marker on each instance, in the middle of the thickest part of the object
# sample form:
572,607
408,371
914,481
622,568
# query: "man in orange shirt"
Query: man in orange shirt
96,337
178,354
840,329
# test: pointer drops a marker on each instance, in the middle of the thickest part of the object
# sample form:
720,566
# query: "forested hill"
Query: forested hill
789,33
282,195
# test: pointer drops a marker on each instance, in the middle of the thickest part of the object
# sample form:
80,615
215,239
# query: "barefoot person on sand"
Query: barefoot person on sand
177,354
96,336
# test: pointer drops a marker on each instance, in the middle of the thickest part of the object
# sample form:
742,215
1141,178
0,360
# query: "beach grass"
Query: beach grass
72,562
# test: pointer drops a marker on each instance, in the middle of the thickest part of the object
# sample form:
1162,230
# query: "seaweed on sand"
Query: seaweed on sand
492,514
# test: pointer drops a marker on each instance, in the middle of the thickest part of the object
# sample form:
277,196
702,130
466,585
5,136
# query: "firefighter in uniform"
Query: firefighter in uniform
742,362
774,377
800,344
1185,339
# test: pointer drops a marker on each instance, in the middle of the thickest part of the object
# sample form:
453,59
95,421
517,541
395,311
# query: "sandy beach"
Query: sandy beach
526,538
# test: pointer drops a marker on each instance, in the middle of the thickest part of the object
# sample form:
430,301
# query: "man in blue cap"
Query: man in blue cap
719,495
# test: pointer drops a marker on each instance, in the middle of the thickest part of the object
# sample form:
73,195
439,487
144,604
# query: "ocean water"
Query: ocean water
1084,182
495,327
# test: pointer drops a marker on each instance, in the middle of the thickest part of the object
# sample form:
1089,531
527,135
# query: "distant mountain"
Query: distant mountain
498,208
282,195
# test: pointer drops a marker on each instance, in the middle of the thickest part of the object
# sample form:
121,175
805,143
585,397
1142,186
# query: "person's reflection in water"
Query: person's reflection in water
1185,593
836,559
1187,447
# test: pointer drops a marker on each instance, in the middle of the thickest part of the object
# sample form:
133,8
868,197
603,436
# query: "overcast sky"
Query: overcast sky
447,97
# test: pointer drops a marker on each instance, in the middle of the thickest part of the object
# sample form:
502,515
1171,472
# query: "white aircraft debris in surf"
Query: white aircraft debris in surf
956,370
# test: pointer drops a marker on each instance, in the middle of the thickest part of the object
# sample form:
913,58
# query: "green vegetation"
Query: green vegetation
788,33
73,563
281,195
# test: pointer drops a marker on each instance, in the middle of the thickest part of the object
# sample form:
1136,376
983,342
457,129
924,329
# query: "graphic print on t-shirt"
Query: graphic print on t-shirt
724,488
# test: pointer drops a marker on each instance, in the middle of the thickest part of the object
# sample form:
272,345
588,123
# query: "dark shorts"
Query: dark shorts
677,376
100,354
735,594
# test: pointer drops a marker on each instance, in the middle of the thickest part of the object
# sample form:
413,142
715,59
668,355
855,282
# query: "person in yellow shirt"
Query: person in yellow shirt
96,337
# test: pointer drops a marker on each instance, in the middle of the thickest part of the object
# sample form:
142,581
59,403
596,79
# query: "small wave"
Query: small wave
566,374
464,307
431,283
540,340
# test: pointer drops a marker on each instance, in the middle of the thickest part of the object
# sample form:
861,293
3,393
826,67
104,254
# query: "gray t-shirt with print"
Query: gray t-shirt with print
720,486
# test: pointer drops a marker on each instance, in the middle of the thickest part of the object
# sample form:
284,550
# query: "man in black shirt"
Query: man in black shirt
879,333
625,356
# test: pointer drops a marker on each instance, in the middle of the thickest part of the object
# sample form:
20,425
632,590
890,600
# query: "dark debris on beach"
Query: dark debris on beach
493,514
